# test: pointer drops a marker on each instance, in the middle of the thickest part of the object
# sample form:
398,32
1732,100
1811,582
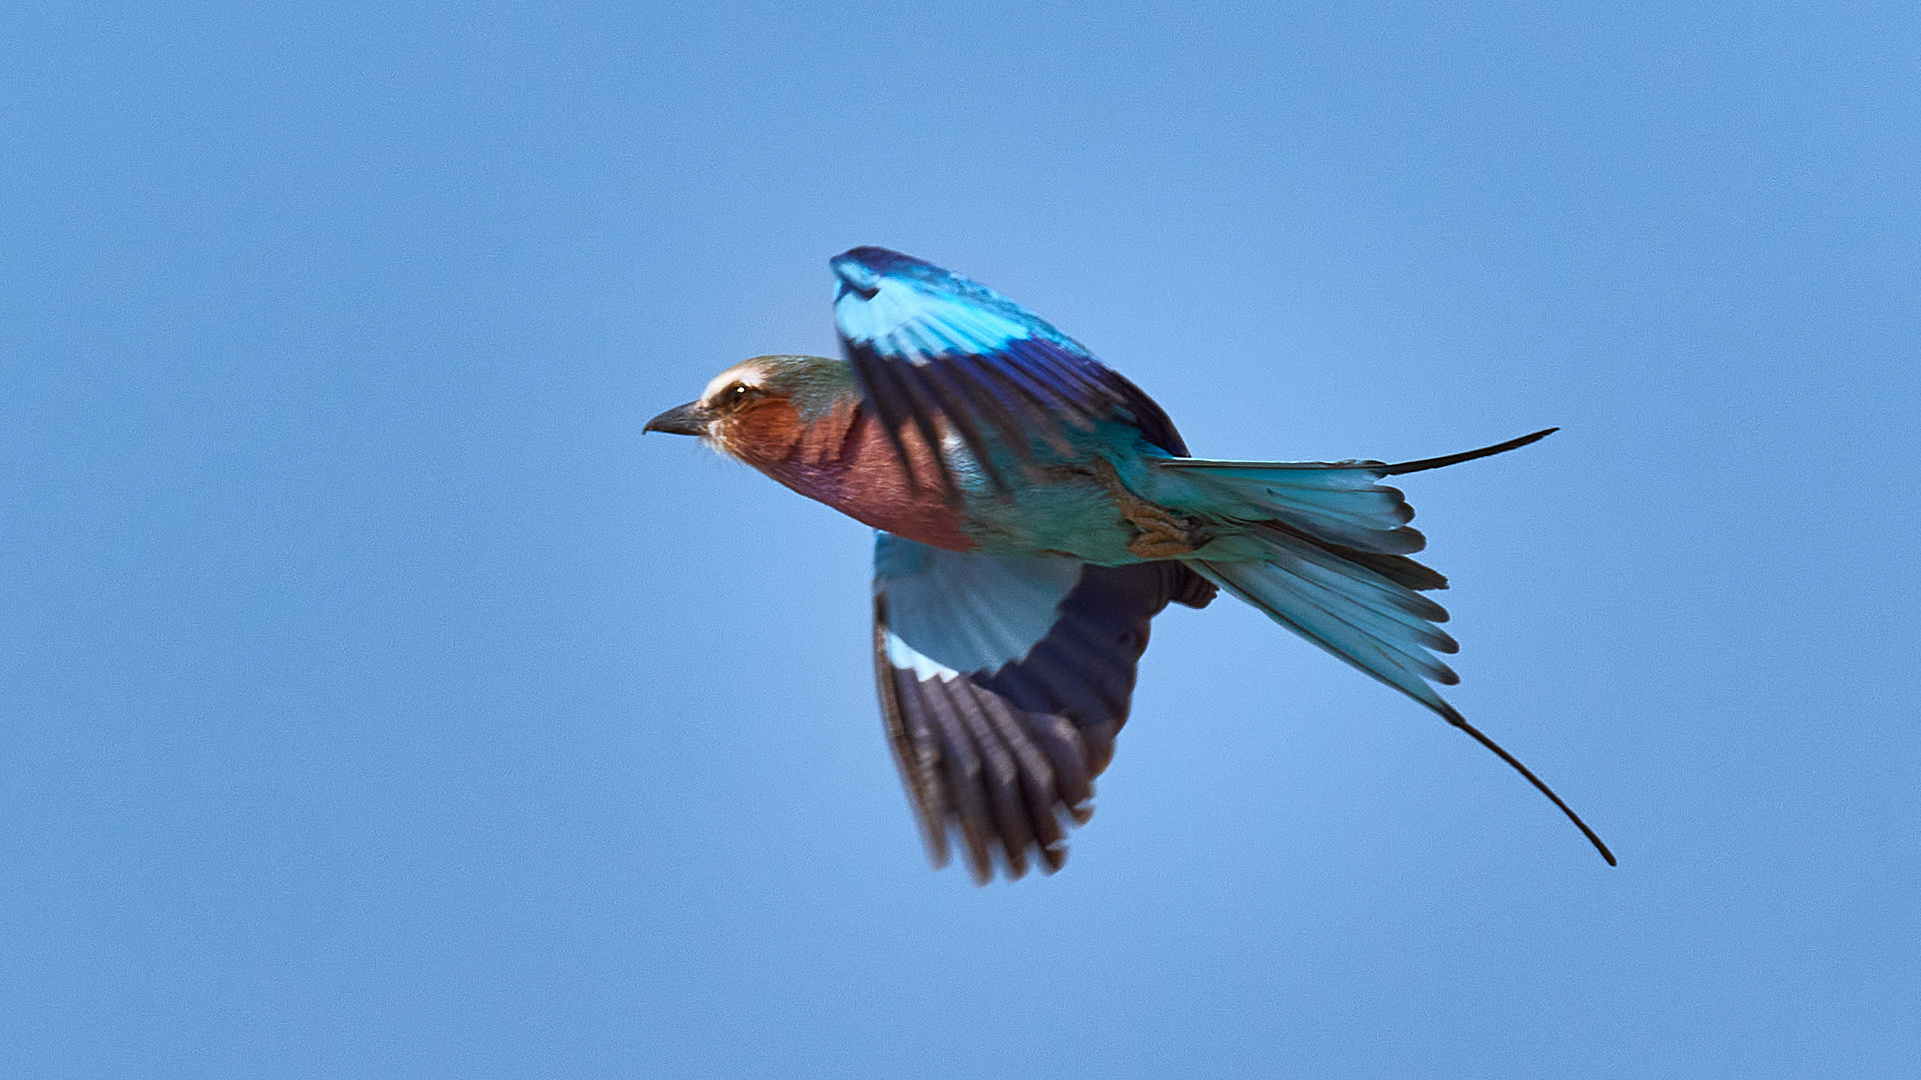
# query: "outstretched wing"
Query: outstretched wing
936,352
1003,683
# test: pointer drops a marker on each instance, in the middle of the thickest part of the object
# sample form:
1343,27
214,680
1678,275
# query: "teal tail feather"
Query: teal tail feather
1333,568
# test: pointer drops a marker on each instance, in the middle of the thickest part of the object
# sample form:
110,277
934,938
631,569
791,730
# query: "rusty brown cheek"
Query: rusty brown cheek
762,433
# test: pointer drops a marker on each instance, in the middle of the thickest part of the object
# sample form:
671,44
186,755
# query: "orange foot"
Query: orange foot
1163,533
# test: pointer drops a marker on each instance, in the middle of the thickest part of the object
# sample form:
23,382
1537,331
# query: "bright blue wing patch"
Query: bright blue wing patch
935,351
967,613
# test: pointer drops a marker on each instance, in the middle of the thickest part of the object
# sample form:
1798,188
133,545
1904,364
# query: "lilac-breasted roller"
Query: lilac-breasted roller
1036,511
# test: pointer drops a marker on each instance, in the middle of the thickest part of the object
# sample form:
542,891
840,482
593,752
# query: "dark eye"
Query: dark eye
734,396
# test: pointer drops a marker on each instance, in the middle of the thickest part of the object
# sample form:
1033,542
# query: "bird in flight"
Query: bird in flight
1036,511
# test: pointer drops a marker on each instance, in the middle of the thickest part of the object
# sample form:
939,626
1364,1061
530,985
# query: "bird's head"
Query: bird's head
760,407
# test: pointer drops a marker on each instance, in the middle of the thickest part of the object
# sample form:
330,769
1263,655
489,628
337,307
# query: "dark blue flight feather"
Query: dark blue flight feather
1003,683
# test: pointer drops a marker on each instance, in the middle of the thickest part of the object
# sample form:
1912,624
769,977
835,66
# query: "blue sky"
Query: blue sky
375,701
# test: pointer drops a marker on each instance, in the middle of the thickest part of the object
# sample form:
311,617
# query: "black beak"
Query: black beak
688,419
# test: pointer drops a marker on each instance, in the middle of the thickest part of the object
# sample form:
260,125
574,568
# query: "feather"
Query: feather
1003,683
932,349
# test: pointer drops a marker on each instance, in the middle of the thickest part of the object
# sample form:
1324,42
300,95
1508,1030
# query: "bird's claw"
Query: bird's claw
1163,534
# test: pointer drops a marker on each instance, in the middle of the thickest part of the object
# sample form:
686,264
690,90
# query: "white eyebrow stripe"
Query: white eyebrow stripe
746,374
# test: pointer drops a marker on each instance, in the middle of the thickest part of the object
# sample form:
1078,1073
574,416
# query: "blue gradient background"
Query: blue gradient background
375,701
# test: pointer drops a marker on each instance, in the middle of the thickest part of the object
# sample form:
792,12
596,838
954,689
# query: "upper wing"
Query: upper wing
935,352
1003,683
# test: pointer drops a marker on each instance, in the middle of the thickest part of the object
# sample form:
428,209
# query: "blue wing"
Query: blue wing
1003,683
934,351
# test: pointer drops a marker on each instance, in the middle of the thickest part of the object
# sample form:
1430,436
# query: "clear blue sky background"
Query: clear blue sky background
376,701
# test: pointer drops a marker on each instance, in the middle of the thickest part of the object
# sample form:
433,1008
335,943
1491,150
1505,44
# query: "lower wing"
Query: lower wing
1003,683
